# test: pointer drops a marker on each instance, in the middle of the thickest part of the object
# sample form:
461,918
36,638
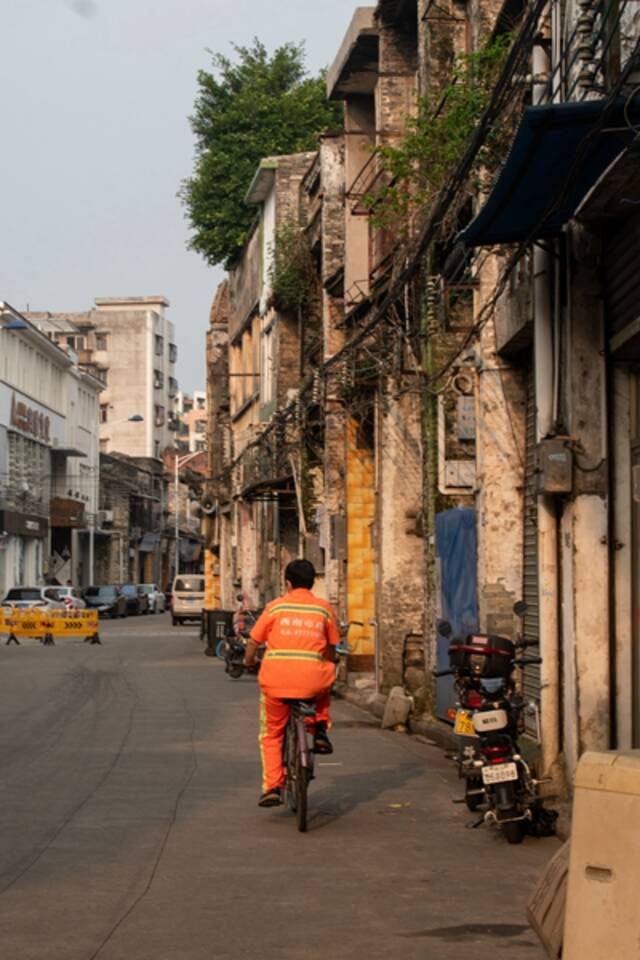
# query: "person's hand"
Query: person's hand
248,661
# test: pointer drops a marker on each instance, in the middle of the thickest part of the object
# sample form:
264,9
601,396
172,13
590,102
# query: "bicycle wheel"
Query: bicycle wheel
301,789
289,759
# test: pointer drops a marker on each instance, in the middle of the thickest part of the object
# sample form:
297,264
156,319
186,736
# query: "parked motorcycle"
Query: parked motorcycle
488,722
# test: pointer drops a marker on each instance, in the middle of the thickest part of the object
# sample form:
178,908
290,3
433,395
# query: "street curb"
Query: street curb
434,730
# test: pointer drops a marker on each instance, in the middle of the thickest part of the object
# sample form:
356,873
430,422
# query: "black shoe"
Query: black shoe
272,798
321,742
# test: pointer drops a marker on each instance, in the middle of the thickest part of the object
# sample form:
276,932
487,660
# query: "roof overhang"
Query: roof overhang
262,183
355,68
558,154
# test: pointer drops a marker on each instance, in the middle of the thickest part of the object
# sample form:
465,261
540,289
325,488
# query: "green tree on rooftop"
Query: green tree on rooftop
252,107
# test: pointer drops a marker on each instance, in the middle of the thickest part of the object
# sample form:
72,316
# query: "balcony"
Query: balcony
66,512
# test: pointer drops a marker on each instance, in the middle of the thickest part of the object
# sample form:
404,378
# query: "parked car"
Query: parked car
187,598
108,600
71,597
156,597
24,597
137,599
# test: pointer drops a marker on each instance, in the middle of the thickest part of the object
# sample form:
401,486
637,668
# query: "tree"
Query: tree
255,107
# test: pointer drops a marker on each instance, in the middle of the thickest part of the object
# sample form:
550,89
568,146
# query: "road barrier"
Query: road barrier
47,624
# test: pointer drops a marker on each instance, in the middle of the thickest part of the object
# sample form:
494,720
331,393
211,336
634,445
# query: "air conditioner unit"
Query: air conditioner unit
106,516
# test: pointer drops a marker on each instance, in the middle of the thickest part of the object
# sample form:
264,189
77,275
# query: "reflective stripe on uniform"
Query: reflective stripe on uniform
293,655
299,608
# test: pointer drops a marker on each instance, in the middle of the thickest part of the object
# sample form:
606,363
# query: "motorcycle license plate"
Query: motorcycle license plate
464,724
500,773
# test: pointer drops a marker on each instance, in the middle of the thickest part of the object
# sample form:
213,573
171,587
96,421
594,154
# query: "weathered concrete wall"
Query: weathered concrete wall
500,460
359,127
400,546
585,527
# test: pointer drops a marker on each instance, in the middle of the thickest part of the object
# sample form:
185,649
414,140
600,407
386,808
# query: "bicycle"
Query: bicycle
298,757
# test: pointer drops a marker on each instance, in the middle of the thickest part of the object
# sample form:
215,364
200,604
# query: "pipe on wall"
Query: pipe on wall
545,363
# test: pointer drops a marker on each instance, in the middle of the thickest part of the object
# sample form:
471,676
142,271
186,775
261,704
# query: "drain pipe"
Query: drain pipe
545,361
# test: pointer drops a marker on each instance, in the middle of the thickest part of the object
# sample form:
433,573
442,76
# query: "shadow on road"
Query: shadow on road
352,790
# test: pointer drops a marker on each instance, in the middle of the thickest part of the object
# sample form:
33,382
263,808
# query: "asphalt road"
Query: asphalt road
129,828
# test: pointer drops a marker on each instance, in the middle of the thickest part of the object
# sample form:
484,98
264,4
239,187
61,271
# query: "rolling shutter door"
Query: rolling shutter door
530,591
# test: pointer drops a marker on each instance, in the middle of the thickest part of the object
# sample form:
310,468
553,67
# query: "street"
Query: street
129,826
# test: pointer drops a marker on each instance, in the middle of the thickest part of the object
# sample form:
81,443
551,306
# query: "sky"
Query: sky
95,140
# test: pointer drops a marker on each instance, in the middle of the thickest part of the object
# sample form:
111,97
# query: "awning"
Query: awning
149,543
556,157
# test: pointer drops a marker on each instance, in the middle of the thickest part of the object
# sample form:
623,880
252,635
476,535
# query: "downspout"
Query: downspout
545,363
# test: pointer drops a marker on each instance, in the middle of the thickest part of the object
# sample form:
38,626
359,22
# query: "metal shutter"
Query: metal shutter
530,592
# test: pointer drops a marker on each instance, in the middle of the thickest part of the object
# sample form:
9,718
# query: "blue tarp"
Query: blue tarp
456,551
559,152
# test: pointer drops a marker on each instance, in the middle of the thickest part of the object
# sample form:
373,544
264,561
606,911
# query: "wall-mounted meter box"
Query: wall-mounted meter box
555,466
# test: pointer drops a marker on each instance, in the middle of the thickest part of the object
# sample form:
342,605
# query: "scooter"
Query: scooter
488,720
234,657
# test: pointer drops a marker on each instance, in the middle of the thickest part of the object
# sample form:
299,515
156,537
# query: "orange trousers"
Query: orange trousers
274,714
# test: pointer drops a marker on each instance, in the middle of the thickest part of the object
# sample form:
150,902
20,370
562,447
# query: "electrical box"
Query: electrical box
466,418
602,919
554,466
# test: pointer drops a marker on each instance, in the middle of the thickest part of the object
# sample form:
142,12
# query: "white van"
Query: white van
187,598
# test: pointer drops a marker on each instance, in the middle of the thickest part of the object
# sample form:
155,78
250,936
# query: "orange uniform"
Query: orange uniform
297,628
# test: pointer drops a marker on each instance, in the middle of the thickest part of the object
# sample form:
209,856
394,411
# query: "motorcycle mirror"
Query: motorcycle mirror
520,608
444,628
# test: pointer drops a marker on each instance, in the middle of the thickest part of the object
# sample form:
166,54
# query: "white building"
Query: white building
191,416
49,458
130,345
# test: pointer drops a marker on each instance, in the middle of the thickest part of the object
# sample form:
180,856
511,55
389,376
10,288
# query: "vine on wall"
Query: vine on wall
293,271
413,171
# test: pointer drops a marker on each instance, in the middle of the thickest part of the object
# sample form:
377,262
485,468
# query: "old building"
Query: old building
460,431
49,469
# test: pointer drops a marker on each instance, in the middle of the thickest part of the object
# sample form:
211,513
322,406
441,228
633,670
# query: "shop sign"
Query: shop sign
29,420
22,525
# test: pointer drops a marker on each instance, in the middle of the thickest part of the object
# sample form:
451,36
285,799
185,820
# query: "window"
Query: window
158,379
101,341
200,426
267,371
173,353
159,345
200,445
104,412
160,418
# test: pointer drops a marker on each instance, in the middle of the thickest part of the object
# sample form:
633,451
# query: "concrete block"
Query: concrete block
397,708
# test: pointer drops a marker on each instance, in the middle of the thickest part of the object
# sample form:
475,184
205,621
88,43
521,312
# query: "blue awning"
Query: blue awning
558,154
149,543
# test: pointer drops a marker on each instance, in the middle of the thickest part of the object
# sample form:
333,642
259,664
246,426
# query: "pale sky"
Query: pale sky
95,140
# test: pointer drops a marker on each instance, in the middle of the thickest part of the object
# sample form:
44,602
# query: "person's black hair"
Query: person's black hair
300,573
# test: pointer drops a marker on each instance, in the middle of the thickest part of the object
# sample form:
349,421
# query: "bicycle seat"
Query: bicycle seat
307,707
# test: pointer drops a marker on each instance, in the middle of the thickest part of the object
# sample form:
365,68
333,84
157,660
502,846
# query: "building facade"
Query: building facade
49,467
461,429
191,421
129,343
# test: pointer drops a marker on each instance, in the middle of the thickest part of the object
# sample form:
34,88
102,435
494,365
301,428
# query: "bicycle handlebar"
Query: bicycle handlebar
443,673
527,661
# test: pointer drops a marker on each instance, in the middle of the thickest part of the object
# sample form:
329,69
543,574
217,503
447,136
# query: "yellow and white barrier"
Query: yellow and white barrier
47,624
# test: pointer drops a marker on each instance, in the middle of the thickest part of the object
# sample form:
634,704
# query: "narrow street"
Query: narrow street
129,828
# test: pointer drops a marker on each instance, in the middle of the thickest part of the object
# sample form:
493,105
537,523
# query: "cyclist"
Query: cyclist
301,633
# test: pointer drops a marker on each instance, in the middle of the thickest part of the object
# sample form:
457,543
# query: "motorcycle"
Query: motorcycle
488,722
233,650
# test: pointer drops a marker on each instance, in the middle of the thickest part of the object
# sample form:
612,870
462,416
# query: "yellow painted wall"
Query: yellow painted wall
211,581
360,550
